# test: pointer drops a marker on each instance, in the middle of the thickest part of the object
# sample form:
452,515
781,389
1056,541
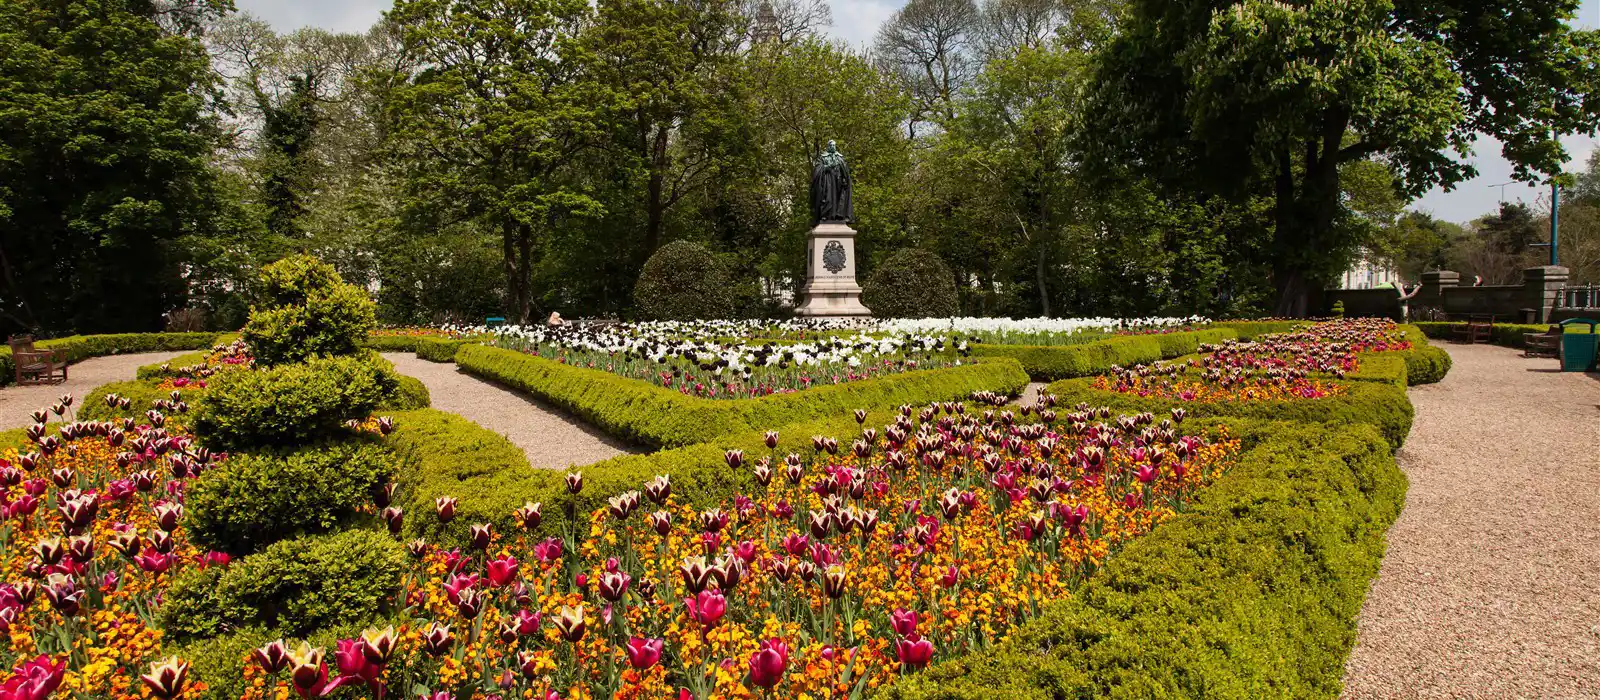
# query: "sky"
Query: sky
856,21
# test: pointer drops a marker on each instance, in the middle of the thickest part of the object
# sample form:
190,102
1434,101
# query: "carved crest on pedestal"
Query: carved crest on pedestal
833,257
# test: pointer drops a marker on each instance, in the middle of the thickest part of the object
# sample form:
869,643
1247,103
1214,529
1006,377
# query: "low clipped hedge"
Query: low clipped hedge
251,500
169,368
657,417
1252,592
293,587
1248,330
439,349
83,347
291,404
409,394
1378,403
443,454
141,397
1511,335
1047,363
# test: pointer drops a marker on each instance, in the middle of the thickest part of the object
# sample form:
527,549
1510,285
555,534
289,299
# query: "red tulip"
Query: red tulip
34,680
273,657
502,572
913,651
644,653
904,622
353,662
768,664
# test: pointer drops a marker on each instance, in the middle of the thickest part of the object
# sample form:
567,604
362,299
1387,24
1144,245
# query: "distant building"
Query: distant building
1364,273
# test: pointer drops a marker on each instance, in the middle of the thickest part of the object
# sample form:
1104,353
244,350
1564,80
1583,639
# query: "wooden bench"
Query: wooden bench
1476,329
35,366
1546,344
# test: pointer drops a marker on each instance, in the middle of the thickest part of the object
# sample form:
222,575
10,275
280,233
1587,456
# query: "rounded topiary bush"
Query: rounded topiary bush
912,283
293,587
305,311
291,404
683,281
251,500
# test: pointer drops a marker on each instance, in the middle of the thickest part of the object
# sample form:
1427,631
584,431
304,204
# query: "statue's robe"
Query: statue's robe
830,192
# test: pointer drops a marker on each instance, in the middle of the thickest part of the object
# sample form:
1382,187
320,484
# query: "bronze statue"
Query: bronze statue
830,188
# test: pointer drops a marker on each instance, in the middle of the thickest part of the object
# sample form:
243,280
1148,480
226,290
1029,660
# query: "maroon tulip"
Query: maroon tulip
570,623
530,515
480,536
768,663
437,640
644,653
613,584
445,506
273,657
353,662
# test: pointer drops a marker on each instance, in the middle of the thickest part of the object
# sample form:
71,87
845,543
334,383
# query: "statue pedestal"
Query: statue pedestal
830,290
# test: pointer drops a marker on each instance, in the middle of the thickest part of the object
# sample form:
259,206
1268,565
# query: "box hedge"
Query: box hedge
1252,592
653,416
1047,363
293,587
1511,335
439,349
1381,404
291,404
251,500
1248,330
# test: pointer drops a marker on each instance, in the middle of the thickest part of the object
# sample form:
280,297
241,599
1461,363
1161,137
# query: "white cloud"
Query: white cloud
344,16
856,22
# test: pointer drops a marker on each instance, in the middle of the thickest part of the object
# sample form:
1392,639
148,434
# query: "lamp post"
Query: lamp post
1555,221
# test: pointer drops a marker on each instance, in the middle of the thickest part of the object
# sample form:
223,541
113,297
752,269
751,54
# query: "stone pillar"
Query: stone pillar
830,290
1541,285
1433,285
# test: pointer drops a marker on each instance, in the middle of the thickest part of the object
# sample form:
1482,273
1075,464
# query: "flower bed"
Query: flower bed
854,563
653,416
713,370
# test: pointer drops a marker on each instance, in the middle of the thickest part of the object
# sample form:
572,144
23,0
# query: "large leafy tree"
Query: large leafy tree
104,141
494,122
1251,97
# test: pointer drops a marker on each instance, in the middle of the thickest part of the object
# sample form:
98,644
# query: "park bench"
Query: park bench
1476,329
1546,344
36,366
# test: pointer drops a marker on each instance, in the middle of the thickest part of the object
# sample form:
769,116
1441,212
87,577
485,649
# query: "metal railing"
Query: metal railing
1579,296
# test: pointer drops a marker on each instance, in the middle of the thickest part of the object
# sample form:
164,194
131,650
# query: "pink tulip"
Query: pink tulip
502,572
707,608
904,622
644,653
768,664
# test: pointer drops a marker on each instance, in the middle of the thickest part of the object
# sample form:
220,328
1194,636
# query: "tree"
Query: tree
1251,97
104,143
669,64
492,125
928,46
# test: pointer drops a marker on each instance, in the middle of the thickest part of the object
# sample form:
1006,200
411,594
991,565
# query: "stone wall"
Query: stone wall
1442,298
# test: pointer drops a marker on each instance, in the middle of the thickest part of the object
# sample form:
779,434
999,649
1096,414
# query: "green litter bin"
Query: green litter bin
1578,349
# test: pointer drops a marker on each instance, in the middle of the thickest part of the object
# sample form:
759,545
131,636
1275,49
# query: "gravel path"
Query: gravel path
1491,586
17,402
552,439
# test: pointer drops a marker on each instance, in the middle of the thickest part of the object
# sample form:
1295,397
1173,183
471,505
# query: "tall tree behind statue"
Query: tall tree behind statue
1194,89
104,143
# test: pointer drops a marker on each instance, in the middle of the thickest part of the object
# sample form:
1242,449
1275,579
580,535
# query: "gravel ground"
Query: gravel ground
1491,586
552,439
17,402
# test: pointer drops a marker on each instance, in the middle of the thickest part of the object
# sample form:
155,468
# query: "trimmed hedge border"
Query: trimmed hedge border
1505,334
656,417
83,347
1252,592
1380,403
1051,362
439,349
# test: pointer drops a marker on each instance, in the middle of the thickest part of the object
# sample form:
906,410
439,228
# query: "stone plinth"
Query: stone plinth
830,290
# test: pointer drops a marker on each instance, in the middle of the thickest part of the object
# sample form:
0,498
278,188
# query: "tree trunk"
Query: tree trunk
655,204
517,246
1044,289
